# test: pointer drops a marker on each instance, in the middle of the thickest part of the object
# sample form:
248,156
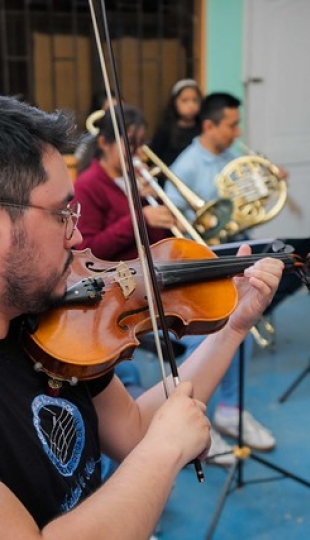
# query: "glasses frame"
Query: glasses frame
66,214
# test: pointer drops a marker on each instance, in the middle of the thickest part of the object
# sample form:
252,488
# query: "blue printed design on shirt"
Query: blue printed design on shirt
61,430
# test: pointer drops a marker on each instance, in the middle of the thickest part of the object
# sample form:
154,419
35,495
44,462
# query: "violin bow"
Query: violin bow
137,217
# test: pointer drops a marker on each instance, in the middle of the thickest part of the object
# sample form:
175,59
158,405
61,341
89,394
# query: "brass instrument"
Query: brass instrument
91,119
263,332
215,221
254,186
211,217
258,194
146,175
71,162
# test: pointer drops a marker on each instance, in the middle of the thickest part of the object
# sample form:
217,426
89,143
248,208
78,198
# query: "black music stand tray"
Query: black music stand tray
241,452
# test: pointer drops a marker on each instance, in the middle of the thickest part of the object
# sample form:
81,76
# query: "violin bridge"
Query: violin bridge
124,277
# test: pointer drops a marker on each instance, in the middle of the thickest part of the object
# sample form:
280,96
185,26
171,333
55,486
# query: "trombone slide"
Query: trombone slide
141,168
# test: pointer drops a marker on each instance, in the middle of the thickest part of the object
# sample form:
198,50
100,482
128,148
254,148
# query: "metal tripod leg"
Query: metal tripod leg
242,453
294,384
222,499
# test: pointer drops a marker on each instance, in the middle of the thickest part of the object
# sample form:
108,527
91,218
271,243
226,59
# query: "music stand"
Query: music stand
302,248
242,453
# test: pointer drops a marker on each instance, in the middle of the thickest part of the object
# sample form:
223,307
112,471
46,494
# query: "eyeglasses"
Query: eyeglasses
70,215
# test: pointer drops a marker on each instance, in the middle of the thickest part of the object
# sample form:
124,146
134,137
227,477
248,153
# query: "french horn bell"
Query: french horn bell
254,186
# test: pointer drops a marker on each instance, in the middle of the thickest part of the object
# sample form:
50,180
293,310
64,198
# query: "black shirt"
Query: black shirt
169,141
49,452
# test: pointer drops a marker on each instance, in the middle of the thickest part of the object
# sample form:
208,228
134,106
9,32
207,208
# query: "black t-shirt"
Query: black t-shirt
170,140
49,451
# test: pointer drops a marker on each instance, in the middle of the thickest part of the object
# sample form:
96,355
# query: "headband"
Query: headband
183,83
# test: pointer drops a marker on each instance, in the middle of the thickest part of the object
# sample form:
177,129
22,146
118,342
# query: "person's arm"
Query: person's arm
209,362
186,169
107,230
106,224
113,240
256,290
129,505
108,242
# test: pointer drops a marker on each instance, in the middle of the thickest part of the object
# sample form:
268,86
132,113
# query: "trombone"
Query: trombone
214,216
92,119
211,217
261,338
147,175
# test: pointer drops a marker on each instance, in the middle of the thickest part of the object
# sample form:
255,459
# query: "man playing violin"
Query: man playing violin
51,443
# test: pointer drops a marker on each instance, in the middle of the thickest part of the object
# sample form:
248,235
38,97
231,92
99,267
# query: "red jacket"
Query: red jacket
106,222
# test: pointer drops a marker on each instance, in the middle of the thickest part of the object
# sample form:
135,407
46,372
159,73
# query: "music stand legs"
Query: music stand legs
294,384
242,452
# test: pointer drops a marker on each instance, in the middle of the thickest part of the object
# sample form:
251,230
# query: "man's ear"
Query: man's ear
206,124
5,228
101,142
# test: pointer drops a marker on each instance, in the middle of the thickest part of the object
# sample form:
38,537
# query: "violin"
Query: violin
105,309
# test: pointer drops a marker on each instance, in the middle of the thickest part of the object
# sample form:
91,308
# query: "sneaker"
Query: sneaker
220,452
255,435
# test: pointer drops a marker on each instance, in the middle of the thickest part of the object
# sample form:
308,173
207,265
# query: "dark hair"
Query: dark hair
213,105
25,133
132,117
171,114
98,100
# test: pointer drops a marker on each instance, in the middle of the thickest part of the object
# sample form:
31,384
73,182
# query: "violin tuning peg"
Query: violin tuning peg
279,246
289,249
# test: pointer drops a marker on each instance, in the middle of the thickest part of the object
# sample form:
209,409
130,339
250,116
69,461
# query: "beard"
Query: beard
24,289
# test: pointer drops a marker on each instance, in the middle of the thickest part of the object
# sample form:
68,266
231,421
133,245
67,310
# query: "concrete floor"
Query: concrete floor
265,507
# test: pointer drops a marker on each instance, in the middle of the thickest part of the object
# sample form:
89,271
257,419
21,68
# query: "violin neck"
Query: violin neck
200,270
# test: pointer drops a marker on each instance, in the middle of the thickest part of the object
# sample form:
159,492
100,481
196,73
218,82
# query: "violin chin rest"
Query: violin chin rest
31,323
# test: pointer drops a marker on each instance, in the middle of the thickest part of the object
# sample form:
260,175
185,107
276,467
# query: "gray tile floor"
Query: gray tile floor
266,507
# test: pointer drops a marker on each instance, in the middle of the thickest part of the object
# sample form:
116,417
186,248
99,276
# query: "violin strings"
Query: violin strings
235,264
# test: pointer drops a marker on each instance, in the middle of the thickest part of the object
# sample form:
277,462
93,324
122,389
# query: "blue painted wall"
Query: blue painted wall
224,41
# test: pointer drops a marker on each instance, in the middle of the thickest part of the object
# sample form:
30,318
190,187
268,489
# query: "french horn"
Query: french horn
255,187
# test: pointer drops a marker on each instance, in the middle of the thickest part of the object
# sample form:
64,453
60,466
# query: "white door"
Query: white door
277,102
